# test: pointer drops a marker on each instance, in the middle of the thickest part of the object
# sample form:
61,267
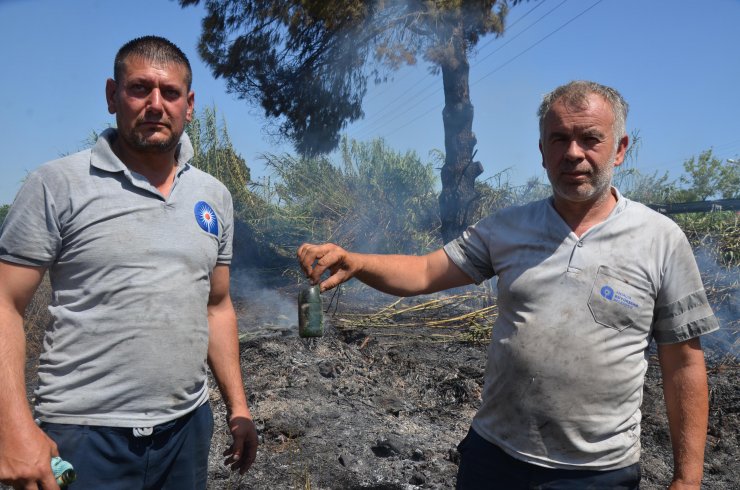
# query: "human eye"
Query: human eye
592,139
171,93
557,138
138,89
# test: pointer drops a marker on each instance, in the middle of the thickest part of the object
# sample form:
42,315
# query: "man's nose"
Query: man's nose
574,151
155,100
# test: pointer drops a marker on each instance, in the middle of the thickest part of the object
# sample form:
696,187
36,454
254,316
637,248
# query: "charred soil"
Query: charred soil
370,409
384,408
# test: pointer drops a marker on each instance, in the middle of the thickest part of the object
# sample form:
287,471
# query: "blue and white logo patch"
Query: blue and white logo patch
206,218
618,297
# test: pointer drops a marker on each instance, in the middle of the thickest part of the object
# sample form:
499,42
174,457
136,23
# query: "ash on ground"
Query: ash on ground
384,408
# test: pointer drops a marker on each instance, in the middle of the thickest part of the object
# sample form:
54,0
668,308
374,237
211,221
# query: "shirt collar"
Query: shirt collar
621,202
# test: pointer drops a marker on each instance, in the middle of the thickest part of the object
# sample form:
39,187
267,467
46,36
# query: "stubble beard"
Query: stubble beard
141,140
594,190
142,143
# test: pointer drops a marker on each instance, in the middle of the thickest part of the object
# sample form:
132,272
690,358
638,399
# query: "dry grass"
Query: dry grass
466,317
469,317
36,319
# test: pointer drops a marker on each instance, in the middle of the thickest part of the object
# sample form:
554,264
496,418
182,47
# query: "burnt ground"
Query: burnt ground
384,408
379,407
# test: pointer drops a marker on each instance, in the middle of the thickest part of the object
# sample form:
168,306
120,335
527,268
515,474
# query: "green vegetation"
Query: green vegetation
717,233
706,177
498,192
374,199
307,64
215,154
4,212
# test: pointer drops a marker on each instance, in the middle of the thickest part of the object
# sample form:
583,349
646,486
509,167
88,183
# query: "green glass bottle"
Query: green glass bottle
310,314
63,471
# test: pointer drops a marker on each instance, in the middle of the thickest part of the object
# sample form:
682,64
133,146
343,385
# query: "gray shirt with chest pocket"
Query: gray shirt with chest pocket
568,353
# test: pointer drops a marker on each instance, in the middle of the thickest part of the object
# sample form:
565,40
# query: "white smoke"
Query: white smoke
263,311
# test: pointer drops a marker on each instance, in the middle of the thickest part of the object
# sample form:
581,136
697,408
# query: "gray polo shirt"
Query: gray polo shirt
567,358
130,272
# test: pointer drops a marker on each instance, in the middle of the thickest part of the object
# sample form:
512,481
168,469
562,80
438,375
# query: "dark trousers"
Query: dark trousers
484,466
174,456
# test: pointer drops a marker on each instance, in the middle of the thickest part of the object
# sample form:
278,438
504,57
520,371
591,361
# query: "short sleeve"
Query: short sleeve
470,252
226,243
31,232
682,311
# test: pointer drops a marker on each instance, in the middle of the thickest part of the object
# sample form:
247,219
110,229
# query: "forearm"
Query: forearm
687,405
223,358
13,401
17,287
400,275
25,450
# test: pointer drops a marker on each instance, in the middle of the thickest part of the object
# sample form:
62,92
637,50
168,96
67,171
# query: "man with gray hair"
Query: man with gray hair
138,244
586,279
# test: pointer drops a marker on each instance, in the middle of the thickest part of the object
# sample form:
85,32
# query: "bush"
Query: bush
497,193
374,200
4,212
717,233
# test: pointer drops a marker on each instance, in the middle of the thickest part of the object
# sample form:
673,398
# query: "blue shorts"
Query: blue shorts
484,466
174,456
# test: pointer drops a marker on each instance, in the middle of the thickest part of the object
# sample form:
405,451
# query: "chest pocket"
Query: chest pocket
615,302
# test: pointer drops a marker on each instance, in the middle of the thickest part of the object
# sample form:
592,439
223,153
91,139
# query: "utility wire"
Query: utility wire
510,39
537,43
503,64
371,124
666,166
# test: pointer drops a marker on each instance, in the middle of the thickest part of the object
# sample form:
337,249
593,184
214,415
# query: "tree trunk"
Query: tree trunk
458,196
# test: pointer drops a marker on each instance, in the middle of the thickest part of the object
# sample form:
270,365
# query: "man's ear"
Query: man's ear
621,150
543,155
191,106
110,95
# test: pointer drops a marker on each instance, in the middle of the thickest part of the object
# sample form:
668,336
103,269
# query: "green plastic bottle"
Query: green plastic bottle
310,314
63,471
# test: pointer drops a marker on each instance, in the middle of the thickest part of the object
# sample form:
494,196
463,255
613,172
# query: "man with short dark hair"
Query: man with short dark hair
586,279
138,244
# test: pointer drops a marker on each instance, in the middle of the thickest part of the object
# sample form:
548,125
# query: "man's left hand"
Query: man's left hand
243,450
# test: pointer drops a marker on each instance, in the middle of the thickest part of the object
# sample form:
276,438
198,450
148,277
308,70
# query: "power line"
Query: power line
725,148
536,43
378,119
493,38
510,39
505,63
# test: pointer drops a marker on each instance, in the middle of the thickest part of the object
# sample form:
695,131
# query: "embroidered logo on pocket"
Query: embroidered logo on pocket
618,303
206,218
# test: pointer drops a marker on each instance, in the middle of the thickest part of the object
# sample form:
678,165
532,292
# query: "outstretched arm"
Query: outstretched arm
687,405
401,275
25,451
223,358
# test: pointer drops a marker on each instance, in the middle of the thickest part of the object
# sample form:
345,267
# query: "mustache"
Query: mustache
147,120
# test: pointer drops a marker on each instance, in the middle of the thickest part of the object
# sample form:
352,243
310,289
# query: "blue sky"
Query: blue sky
675,61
